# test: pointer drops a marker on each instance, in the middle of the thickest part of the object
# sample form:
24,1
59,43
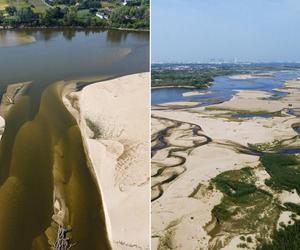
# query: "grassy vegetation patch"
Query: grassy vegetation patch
236,183
240,114
108,4
284,171
245,209
37,5
269,146
251,114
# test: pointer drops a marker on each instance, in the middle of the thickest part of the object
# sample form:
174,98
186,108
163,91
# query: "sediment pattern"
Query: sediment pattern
216,178
176,146
45,180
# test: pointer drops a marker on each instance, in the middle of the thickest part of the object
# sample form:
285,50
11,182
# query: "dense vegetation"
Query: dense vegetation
284,171
287,238
85,13
199,78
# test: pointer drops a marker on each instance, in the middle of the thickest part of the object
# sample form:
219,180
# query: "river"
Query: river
223,89
43,166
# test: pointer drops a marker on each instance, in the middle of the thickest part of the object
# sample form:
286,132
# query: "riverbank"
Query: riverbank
196,150
168,87
71,27
115,133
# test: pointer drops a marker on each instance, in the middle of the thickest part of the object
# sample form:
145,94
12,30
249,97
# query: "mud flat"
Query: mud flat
113,117
213,184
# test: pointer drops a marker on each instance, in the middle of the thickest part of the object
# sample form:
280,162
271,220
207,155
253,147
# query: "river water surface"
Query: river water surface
41,151
224,88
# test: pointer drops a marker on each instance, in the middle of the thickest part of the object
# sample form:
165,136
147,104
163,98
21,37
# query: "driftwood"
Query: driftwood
63,242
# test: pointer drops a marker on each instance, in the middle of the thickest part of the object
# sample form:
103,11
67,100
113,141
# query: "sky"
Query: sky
248,30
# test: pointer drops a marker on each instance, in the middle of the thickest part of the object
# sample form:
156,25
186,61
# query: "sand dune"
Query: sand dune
114,120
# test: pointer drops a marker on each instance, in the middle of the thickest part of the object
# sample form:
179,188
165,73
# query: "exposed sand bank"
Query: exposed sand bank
195,93
9,39
2,126
174,104
114,120
12,94
183,197
250,76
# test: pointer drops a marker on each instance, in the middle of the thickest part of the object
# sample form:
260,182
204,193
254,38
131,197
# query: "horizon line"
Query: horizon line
241,62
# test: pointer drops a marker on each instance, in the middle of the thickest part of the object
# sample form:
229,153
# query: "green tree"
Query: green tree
70,16
11,10
52,16
1,17
26,15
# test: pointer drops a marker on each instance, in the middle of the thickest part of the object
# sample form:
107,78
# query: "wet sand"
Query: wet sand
45,180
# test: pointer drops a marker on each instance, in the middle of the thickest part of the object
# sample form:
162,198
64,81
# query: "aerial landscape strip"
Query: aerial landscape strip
212,161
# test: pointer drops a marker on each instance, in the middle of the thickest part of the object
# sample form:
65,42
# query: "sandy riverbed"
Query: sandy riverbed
9,98
183,201
9,39
2,126
113,117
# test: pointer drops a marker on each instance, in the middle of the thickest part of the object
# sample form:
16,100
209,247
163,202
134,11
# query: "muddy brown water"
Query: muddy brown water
41,148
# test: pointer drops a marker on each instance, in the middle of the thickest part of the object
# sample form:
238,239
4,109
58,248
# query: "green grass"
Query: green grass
106,4
244,209
39,5
269,146
236,183
83,14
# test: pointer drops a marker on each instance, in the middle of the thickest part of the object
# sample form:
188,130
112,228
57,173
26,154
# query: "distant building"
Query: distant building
100,15
104,14
126,2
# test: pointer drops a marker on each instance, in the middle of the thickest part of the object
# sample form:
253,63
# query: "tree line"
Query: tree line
83,14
